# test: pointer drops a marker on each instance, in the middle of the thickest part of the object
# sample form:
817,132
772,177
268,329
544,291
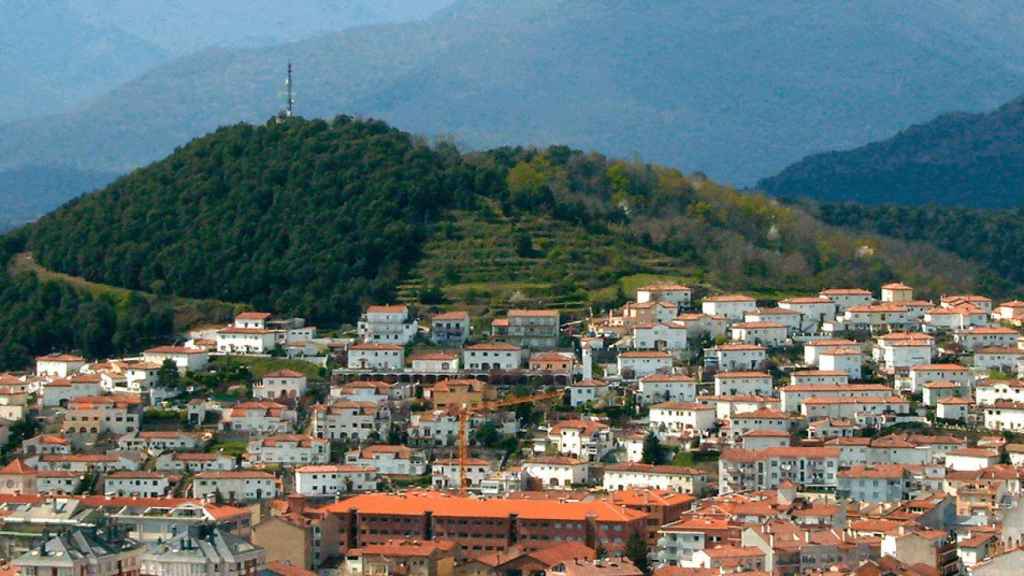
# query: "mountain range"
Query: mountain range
735,89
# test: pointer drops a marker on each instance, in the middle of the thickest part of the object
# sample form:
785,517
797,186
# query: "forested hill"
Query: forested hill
319,218
972,160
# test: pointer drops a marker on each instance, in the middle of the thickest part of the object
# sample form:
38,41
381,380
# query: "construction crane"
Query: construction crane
490,406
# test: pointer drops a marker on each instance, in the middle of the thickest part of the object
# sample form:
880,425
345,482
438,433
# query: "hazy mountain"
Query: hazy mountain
30,191
736,89
974,160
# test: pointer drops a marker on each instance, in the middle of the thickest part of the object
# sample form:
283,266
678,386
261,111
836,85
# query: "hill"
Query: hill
974,160
737,90
320,218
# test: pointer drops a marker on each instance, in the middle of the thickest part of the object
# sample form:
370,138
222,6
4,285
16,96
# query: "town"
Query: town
684,433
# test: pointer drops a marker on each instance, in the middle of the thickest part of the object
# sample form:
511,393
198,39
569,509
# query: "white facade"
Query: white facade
387,325
389,460
646,476
280,384
671,293
681,419
186,359
813,311
987,337
666,388
348,420
921,375
848,360
558,472
234,340
734,307
846,298
814,347
1005,416
289,449
1003,359
235,486
446,474
663,336
492,356
988,392
766,333
644,363
971,459
586,391
854,408
332,479
137,484
59,365
743,384
375,356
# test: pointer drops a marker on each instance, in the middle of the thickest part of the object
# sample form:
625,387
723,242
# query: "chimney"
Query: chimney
296,504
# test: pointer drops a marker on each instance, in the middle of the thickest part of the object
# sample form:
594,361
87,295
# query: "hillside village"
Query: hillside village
840,433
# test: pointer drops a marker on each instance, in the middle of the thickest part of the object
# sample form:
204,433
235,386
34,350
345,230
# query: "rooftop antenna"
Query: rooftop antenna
291,95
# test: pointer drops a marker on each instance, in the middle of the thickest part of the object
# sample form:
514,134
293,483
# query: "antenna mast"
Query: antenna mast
291,95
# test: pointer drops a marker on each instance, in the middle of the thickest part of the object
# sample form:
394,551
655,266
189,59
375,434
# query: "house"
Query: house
986,337
791,319
348,420
970,459
925,373
678,479
257,320
192,462
90,463
990,391
743,384
897,292
765,419
584,439
58,482
58,365
447,473
487,356
662,336
586,391
939,390
744,559
89,416
238,340
656,388
17,478
204,550
387,325
848,360
953,408
900,351
1000,359
280,385
813,310
157,441
874,483
437,362
185,358
435,428
636,364
867,410
334,479
732,306
681,419
375,391
1011,312
138,483
819,377
376,356
557,472
401,556
827,428
288,449
877,316
699,325
813,348
1004,415
554,362
46,444
533,329
77,551
767,333
808,467
680,541
759,438
389,460
736,356
60,391
675,294
259,417
846,298
450,328
234,485
458,393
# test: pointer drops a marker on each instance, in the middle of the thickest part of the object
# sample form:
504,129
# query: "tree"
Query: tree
653,453
523,244
601,551
488,435
168,375
637,551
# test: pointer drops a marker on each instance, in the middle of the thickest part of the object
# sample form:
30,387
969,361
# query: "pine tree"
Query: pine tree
653,451
637,551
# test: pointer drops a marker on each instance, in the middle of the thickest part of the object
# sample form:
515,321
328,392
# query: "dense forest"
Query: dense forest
970,160
989,238
320,218
40,317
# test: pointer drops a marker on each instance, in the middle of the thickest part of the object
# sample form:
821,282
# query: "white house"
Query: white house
58,365
348,420
185,358
732,306
235,340
897,292
812,377
874,483
681,419
640,363
389,460
847,360
670,336
259,417
1002,359
61,391
676,294
332,479
557,472
666,388
447,473
986,337
792,397
988,392
814,347
1004,415
877,316
257,320
791,319
900,351
953,408
586,391
157,441
868,408
194,462
846,298
438,362
450,328
971,459
138,484
1011,312
925,373
678,479
280,384
939,390
289,449
814,310
492,356
387,325
92,415
235,485
744,423
812,467
584,439
376,356
738,356
766,333
743,384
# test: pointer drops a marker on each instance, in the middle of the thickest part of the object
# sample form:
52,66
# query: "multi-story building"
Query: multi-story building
584,439
743,384
676,294
809,467
846,298
187,359
138,483
813,310
348,420
444,362
492,356
203,550
815,347
280,384
792,397
990,391
289,449
387,325
635,364
448,473
406,557
680,541
58,365
925,373
1006,359
376,356
765,333
867,410
901,351
89,416
874,483
484,525
663,336
557,472
666,388
459,393
986,336
586,391
731,306
680,479
77,552
450,328
736,356
333,479
533,329
193,462
389,460
681,419
848,360
237,340
743,424
235,485
1004,415
157,441
259,417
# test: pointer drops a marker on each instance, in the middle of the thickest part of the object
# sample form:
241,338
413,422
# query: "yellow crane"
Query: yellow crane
490,406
